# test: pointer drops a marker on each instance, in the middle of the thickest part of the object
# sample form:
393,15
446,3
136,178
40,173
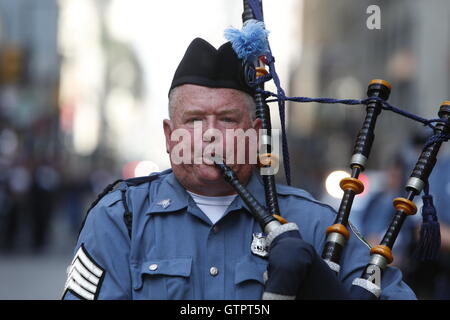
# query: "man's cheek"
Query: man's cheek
229,150
181,147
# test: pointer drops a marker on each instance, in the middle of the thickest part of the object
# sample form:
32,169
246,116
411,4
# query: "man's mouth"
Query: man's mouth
213,160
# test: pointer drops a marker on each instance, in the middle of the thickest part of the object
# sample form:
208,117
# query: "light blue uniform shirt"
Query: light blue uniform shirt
176,253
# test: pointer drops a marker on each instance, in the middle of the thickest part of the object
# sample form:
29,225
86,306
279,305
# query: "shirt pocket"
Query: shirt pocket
249,278
163,279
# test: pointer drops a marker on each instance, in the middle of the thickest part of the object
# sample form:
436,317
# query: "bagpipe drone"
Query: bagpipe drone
287,282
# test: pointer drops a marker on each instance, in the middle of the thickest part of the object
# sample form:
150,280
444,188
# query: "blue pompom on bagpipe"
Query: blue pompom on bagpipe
250,42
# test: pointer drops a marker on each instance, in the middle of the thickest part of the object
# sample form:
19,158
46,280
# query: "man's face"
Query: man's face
203,118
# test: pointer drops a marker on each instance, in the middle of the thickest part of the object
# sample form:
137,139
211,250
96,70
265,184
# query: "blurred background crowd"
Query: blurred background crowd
83,91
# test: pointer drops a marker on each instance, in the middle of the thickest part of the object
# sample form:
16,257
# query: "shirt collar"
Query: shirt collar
171,195
256,188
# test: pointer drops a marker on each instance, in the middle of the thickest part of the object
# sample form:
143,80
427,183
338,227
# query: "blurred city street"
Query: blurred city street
26,275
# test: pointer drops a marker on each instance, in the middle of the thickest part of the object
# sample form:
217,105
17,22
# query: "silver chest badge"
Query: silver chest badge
259,246
164,203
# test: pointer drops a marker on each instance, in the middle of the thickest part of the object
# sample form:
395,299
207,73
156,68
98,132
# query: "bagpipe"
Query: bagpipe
293,262
381,255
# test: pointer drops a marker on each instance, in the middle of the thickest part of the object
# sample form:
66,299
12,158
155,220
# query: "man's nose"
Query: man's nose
208,129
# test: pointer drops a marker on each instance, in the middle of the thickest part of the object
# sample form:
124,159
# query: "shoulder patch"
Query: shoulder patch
84,276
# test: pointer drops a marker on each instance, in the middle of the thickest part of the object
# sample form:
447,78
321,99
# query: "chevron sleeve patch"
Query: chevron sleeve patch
84,276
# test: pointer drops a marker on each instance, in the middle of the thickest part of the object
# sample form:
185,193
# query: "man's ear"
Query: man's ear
167,125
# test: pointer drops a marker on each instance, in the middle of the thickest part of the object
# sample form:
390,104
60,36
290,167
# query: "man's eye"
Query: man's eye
193,119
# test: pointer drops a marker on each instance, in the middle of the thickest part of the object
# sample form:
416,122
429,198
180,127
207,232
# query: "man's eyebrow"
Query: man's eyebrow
219,112
230,111
192,112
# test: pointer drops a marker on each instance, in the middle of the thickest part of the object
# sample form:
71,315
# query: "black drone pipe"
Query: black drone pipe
266,158
337,234
381,255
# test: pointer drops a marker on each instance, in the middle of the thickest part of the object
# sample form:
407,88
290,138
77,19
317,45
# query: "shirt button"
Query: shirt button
153,267
213,271
215,229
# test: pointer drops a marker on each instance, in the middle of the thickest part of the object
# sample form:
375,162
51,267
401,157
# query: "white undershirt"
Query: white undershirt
213,207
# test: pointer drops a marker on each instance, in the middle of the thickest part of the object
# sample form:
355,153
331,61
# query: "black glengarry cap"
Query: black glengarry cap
207,66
